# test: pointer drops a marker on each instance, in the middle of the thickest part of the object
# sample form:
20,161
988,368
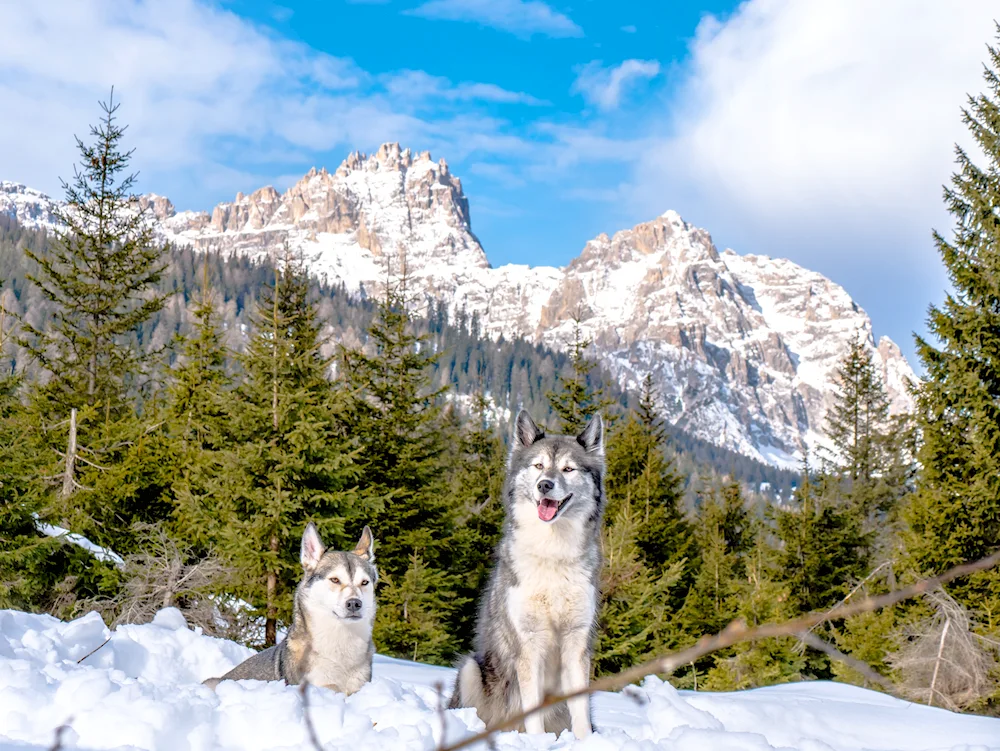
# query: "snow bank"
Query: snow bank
142,691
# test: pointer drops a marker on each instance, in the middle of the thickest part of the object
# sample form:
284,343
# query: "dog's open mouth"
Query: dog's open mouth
549,507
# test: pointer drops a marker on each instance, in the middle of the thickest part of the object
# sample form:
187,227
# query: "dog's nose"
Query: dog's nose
545,486
353,605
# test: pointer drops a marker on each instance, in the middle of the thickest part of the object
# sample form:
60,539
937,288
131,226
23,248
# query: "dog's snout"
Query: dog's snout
354,605
545,486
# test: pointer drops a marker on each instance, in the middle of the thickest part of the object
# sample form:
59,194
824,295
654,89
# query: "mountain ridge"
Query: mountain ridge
742,347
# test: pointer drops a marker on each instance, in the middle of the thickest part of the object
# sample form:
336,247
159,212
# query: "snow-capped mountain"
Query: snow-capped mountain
742,347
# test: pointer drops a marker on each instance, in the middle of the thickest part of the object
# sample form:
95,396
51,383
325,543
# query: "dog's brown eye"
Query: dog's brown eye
539,465
335,580
364,583
568,469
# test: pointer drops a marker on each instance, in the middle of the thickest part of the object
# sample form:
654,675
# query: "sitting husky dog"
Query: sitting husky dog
330,640
537,619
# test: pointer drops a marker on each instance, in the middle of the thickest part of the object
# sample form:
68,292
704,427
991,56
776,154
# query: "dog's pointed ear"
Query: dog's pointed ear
366,545
526,432
592,437
312,548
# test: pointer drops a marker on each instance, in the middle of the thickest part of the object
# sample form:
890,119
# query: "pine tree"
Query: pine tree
199,419
724,531
954,516
396,416
476,487
639,470
760,598
100,275
576,399
99,278
292,461
871,463
633,622
823,546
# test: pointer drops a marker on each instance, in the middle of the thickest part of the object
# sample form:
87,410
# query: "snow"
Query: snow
142,690
102,554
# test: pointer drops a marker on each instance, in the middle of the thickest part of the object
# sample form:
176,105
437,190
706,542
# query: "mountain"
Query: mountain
742,347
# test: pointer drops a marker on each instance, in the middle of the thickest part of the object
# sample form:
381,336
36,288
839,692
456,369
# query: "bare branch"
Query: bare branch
811,640
94,650
734,633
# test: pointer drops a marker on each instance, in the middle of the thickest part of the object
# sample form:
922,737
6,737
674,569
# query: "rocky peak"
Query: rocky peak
159,206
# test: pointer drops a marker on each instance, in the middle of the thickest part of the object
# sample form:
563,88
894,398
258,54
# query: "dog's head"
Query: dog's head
561,476
339,582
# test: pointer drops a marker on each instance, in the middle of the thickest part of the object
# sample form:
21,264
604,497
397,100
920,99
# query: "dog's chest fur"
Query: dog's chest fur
554,567
338,655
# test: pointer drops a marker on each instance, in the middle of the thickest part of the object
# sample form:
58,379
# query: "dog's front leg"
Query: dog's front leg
575,656
530,664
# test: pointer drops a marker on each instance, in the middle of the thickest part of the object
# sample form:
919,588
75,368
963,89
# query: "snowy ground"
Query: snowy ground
142,691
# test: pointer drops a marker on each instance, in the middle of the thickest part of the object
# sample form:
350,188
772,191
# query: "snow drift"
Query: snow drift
142,691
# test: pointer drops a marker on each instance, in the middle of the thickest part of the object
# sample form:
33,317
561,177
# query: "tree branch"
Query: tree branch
734,633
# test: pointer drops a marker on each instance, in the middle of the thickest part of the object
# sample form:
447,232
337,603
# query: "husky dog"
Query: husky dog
538,615
330,639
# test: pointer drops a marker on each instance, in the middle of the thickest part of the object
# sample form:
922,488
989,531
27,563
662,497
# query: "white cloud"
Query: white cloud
604,87
203,90
824,131
417,84
522,18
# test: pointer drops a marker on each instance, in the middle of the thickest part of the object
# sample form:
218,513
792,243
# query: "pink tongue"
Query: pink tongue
547,509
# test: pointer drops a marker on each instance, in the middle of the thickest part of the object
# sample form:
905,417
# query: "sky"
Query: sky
812,130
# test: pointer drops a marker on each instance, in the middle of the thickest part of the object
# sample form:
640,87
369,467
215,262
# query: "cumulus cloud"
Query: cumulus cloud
207,96
823,132
604,87
522,18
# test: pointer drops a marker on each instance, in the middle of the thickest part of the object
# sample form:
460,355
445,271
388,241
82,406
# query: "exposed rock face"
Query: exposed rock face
744,348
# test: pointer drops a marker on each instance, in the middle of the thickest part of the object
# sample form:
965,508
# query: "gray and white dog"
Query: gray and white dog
538,616
330,640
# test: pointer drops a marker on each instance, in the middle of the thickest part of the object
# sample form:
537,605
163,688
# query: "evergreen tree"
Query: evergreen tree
823,546
477,487
100,275
292,461
99,278
396,416
954,516
634,623
576,399
871,463
760,598
724,531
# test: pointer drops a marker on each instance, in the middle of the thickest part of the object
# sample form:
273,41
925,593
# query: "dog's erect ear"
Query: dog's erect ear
592,437
366,546
525,430
312,547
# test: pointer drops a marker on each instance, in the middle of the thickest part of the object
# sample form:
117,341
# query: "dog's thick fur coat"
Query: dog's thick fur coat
538,615
330,640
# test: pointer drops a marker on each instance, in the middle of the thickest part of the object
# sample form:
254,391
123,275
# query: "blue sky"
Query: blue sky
812,130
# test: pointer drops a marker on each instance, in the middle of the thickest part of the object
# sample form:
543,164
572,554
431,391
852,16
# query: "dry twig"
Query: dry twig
734,633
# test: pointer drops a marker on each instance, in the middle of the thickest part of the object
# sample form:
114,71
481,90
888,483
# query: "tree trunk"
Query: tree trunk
69,480
270,624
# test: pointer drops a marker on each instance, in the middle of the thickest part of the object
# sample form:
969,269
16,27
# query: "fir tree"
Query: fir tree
476,487
724,532
871,464
395,414
633,622
954,516
100,276
291,462
576,400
